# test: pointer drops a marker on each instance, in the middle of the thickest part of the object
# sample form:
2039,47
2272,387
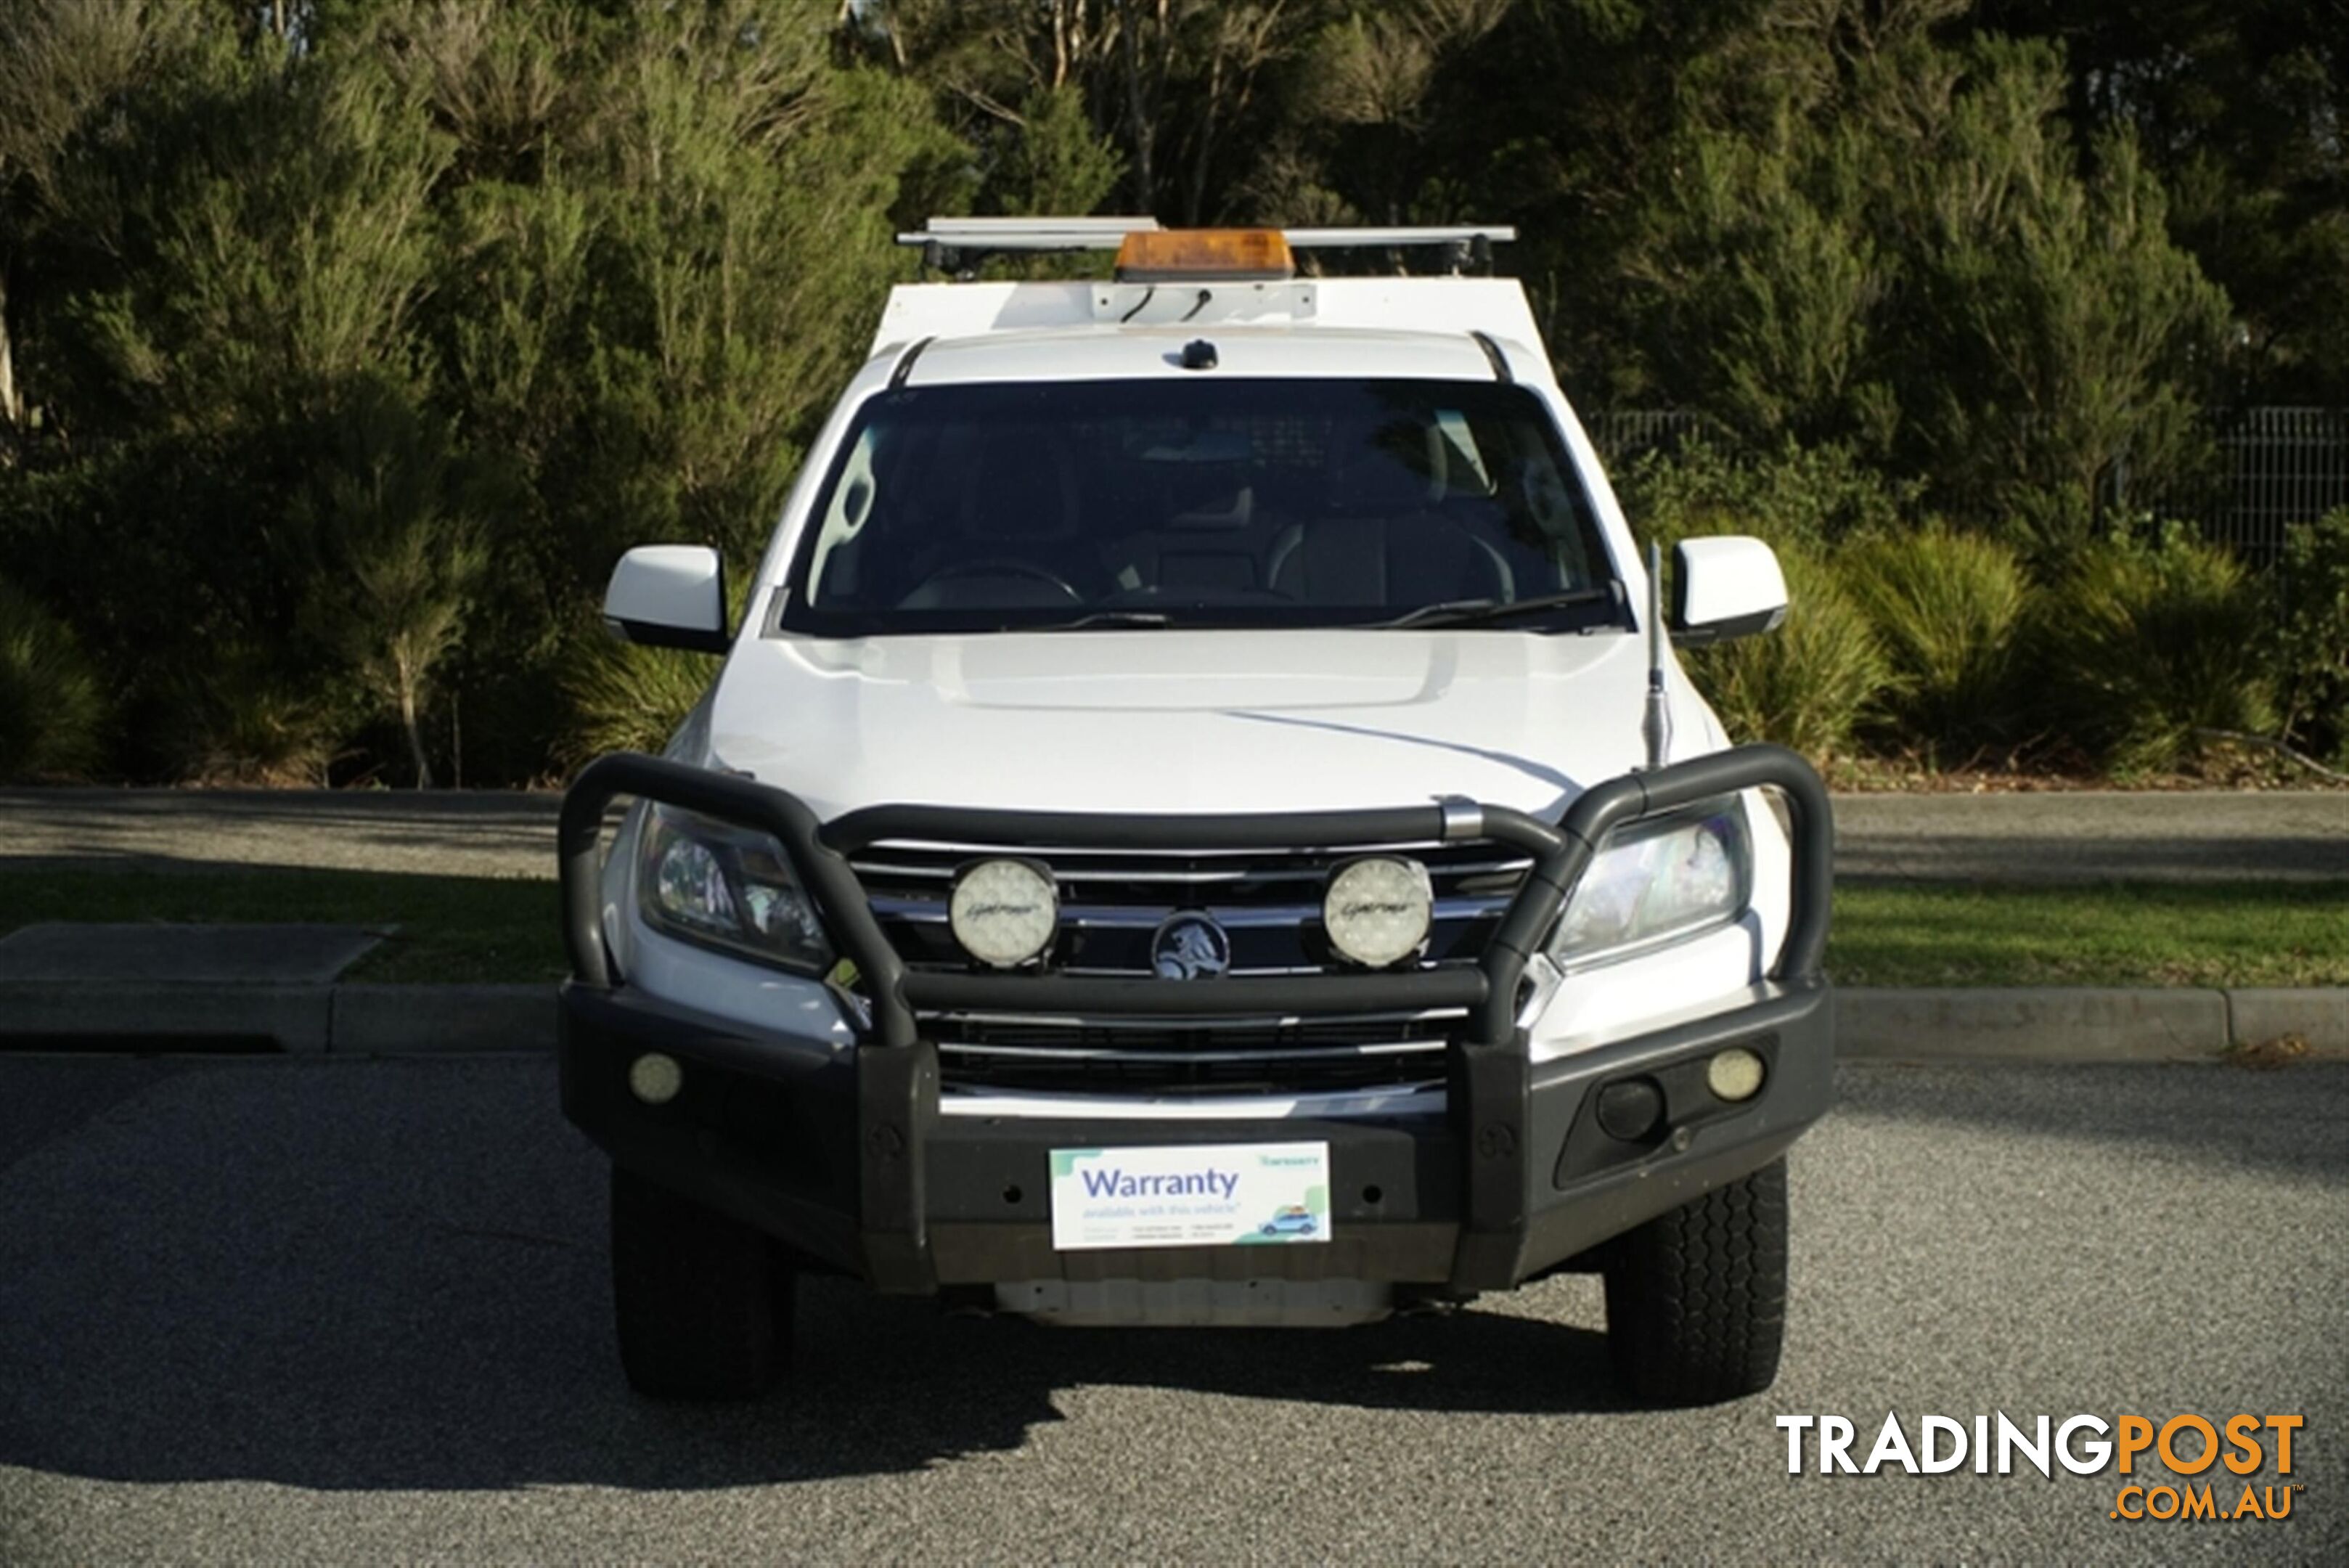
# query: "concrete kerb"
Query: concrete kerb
2068,1023
2039,1023
404,1019
2319,1015
297,1017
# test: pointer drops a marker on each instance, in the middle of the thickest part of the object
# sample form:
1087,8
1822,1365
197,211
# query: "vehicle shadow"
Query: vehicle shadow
877,1387
395,1279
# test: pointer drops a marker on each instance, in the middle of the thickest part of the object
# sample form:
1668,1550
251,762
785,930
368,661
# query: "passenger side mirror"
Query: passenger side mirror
669,595
1725,587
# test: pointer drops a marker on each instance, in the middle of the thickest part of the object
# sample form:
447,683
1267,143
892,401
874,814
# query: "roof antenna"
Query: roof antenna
1656,726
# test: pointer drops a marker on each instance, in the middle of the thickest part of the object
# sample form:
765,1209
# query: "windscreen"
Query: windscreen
1201,501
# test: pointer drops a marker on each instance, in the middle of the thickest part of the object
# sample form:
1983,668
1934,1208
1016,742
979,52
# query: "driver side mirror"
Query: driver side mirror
1725,587
669,595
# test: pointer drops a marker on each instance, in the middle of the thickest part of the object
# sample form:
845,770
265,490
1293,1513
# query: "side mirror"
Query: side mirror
669,595
1725,587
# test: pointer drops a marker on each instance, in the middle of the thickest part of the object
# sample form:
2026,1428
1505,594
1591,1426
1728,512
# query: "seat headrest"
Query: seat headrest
1226,510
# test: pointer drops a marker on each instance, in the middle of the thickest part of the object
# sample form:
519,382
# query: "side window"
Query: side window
835,568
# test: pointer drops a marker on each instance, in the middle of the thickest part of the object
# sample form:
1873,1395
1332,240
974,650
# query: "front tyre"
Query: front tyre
1696,1299
704,1302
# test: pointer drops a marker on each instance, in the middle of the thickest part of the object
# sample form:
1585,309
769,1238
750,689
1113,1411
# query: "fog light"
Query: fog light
1733,1074
1630,1109
654,1078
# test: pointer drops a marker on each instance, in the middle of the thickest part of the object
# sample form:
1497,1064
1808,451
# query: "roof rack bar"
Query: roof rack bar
1348,239
995,230
1108,234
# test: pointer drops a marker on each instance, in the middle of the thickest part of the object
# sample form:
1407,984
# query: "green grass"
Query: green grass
2213,934
449,929
484,929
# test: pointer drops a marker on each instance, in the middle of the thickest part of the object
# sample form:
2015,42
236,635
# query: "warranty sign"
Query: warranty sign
1190,1195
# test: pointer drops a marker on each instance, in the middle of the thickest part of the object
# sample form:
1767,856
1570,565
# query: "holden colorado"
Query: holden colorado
1211,718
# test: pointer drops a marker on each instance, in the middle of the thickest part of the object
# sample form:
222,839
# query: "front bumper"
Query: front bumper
844,1153
852,1163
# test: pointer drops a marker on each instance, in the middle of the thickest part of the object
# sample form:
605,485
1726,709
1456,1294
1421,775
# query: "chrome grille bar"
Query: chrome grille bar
1111,1054
1067,868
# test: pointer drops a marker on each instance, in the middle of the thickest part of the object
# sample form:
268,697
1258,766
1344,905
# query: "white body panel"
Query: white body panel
1393,307
1184,722
1205,721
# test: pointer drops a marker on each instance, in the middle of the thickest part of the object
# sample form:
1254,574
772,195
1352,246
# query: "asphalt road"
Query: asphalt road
2055,836
302,1310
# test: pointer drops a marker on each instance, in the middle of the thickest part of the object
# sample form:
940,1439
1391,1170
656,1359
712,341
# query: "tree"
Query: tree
1182,89
2237,106
400,557
1867,234
2067,335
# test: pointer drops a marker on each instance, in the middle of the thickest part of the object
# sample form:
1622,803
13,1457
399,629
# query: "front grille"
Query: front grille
1112,905
1228,1057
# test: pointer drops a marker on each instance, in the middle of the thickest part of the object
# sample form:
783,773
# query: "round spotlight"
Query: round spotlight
1733,1074
1004,912
654,1078
1377,910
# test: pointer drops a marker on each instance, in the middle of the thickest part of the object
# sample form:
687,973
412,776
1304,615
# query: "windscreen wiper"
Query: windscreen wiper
1481,612
1109,618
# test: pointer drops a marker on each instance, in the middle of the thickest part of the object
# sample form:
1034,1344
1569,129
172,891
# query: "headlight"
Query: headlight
1377,910
728,888
1004,912
1671,877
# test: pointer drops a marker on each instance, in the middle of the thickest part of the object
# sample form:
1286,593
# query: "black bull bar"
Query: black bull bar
1487,1063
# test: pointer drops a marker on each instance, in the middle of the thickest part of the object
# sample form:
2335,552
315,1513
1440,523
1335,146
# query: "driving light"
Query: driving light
654,1078
1733,1074
718,885
1656,880
1004,912
1377,910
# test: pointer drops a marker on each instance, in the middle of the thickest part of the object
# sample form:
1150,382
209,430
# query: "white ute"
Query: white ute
1200,823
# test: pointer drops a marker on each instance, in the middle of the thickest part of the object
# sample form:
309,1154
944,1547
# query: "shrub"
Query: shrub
53,709
1796,497
2312,636
624,698
1810,683
2148,644
242,719
1947,605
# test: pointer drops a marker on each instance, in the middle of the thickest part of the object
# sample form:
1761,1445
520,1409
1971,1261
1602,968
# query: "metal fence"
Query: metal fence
1624,435
2276,466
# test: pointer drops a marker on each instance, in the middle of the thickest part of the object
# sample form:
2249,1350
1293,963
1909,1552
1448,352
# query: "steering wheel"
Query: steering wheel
1003,567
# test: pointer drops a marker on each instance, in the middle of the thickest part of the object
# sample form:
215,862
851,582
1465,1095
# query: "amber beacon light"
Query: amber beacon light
1176,255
